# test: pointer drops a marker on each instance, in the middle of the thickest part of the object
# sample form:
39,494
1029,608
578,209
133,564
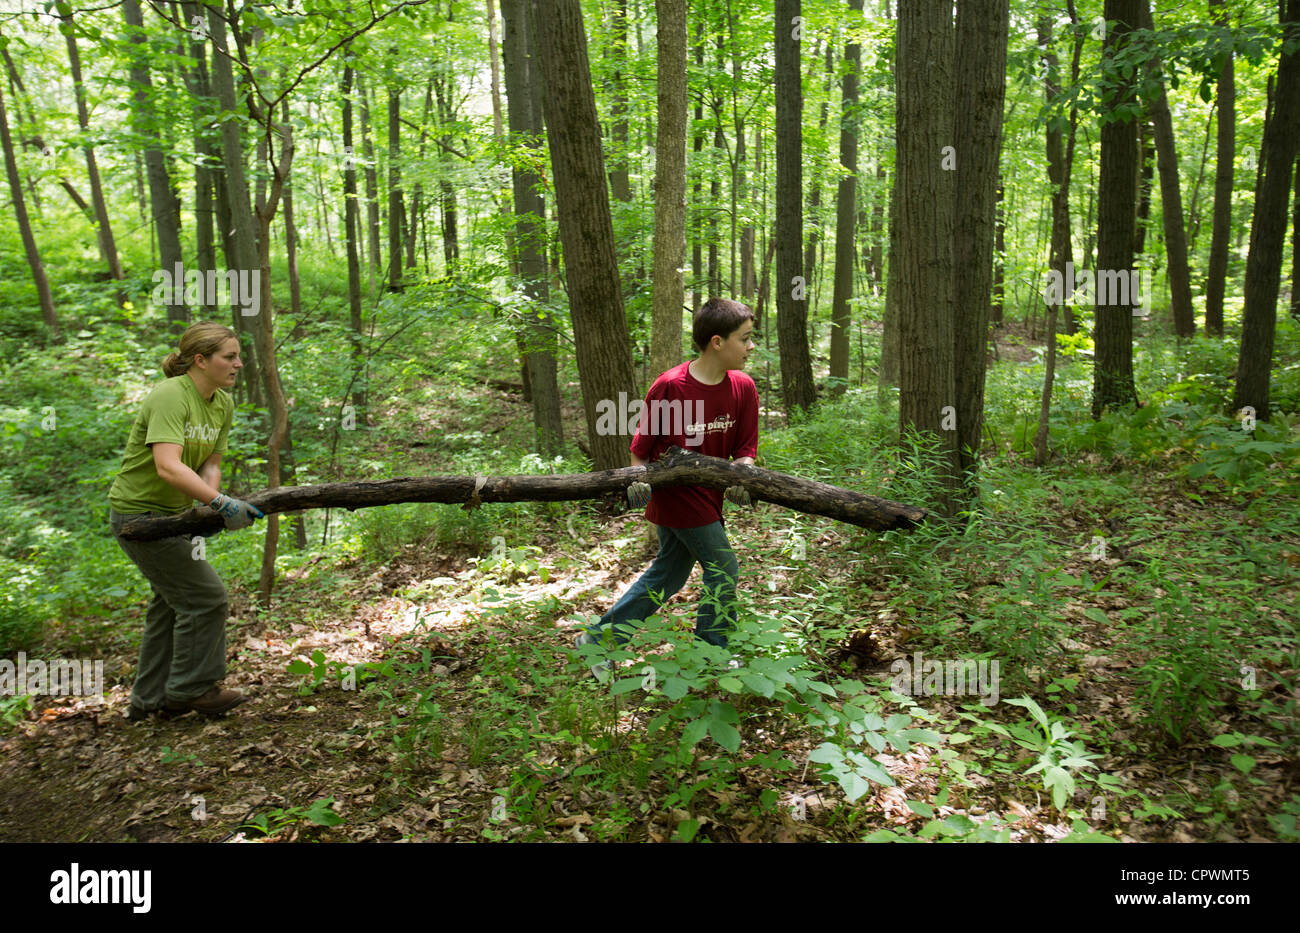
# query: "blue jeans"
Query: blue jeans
679,549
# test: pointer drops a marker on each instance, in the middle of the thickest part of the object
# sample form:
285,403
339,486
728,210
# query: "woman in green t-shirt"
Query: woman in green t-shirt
172,457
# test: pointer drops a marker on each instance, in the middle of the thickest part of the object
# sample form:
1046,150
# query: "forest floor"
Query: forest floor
84,773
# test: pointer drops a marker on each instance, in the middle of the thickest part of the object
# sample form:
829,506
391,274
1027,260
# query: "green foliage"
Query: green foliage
1058,756
273,821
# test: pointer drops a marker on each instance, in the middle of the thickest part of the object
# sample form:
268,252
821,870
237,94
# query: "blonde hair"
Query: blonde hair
202,339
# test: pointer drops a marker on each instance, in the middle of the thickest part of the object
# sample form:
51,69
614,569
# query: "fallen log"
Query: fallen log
676,468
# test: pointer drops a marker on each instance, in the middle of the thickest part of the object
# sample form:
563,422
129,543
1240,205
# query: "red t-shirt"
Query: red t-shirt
717,421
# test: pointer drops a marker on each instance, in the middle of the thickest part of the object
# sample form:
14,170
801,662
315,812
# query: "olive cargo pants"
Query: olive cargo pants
183,649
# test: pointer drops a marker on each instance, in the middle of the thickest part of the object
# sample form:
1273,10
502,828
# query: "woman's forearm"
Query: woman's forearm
181,477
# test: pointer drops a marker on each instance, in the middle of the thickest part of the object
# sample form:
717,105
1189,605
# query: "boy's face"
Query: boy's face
735,349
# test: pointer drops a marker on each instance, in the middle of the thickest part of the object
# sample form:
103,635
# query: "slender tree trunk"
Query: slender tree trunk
540,346
161,197
670,187
241,244
43,293
586,230
845,212
372,189
1268,227
205,157
1171,198
351,228
797,388
103,228
619,184
697,185
395,210
1113,365
1224,155
981,42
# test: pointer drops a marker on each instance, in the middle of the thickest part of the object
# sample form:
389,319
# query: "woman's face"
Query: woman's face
222,366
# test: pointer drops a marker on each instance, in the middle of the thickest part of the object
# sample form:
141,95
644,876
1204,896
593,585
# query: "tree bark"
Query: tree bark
676,468
351,228
42,283
1113,366
1216,274
372,190
522,80
670,188
797,388
1171,198
981,42
103,228
162,198
845,213
586,230
242,246
925,203
1268,227
395,210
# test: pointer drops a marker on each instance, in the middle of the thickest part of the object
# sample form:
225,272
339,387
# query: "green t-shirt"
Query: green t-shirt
173,413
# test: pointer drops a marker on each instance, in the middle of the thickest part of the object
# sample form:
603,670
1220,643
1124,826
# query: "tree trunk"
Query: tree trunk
676,468
1171,198
845,213
1113,365
586,230
1268,227
43,293
242,246
981,42
797,387
925,204
395,210
372,190
619,184
1216,274
205,158
522,81
670,188
351,227
162,198
103,228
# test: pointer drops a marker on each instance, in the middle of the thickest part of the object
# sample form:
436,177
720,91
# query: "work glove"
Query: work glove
638,495
737,494
236,512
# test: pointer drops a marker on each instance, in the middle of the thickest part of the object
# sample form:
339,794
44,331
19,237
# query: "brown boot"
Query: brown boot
213,703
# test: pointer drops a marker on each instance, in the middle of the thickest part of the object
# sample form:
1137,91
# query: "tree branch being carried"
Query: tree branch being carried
676,468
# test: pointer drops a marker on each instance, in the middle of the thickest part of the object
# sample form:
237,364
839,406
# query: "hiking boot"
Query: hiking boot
213,703
600,670
136,714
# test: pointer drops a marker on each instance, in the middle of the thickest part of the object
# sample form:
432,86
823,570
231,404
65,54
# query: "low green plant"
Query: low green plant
273,821
1059,757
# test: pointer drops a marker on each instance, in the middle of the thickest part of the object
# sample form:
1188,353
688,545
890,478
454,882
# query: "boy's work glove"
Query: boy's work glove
236,512
638,495
737,494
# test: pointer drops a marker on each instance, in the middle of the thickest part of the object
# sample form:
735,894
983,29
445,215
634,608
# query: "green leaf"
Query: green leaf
920,807
1243,763
725,734
321,814
687,829
675,688
626,685
693,732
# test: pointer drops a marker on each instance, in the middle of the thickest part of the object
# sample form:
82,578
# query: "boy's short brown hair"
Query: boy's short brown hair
720,316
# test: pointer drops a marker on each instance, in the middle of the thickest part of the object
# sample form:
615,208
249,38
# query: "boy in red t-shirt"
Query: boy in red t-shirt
706,405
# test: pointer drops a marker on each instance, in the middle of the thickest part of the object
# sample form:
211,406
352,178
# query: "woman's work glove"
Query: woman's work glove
236,512
638,495
737,494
